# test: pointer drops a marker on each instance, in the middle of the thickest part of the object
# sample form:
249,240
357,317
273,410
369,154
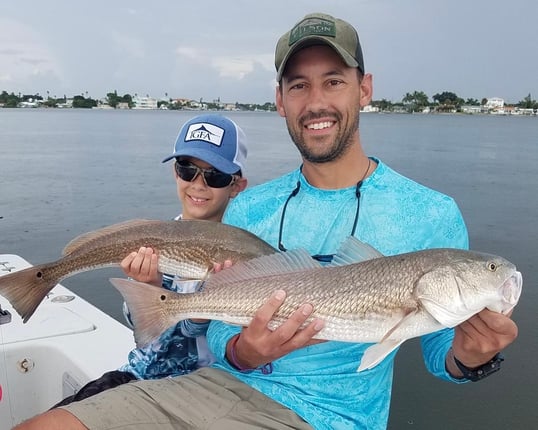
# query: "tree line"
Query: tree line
417,101
448,101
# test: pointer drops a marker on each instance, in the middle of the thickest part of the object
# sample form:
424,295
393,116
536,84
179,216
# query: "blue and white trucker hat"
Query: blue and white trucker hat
215,139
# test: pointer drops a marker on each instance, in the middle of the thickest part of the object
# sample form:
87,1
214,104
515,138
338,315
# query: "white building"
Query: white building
471,109
494,103
144,103
369,108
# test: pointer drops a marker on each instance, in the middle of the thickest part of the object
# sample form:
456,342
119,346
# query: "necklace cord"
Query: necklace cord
292,194
295,191
358,194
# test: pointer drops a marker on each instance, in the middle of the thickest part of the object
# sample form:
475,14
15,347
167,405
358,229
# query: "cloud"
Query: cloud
24,58
238,67
227,66
128,45
187,52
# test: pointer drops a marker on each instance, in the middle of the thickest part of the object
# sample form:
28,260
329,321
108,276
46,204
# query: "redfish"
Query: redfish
383,300
187,248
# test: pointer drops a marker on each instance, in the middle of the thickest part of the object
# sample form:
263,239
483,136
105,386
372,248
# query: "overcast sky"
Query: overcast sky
224,49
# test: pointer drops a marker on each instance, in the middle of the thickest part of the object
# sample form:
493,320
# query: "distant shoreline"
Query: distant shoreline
226,111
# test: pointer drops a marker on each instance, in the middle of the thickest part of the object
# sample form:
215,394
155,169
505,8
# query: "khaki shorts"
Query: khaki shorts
206,399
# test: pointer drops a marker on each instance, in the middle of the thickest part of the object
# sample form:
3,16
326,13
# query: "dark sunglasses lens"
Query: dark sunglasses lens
216,179
213,178
187,173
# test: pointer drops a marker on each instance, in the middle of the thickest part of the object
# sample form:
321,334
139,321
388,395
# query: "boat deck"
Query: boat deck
66,343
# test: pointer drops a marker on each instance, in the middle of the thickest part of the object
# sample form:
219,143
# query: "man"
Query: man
284,379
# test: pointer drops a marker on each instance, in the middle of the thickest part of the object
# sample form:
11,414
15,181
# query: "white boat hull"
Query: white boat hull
65,344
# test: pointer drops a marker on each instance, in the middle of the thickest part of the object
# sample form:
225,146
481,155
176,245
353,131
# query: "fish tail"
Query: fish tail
27,288
147,308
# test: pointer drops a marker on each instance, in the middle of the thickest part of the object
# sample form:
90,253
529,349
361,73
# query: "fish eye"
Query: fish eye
163,297
492,266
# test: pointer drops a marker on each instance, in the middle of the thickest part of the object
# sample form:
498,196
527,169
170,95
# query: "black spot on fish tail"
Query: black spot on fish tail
26,289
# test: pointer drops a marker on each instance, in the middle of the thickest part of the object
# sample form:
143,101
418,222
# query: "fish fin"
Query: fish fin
376,353
408,314
26,289
146,308
85,238
352,251
443,315
296,260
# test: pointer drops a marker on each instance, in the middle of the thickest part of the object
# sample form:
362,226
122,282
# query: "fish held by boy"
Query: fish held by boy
187,248
383,300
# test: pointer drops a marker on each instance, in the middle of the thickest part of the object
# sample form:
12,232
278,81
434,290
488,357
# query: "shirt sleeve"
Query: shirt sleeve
218,335
451,231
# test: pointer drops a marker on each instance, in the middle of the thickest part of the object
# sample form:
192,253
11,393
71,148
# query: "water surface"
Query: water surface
66,172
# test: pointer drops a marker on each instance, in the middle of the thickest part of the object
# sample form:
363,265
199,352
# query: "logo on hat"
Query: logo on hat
312,26
206,132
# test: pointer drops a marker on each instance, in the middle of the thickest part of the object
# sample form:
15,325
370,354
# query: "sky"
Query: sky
223,49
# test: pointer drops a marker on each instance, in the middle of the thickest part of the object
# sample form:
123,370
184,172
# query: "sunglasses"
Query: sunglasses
212,177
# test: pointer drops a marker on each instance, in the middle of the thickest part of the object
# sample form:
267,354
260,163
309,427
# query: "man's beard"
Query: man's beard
336,150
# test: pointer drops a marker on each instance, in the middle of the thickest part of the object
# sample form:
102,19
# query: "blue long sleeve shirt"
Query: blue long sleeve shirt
320,382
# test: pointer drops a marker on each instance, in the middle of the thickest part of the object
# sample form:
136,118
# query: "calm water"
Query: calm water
63,173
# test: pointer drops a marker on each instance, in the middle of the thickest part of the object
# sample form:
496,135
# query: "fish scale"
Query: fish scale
188,248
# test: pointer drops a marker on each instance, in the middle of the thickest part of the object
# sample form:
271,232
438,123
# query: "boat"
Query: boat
65,344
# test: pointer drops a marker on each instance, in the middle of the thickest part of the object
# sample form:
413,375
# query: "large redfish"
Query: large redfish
187,248
383,300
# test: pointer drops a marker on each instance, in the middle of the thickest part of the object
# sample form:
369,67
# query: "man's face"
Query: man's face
320,97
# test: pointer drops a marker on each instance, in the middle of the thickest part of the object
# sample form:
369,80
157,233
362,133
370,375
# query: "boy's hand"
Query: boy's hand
142,266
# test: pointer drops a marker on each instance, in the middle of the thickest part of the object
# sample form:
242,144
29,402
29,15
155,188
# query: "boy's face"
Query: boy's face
200,201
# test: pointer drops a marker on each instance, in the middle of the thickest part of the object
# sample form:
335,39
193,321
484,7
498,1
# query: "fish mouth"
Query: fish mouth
511,291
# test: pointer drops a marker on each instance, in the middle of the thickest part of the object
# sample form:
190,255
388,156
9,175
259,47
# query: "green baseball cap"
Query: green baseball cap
320,29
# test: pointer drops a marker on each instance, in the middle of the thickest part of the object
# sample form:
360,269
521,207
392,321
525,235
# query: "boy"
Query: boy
209,158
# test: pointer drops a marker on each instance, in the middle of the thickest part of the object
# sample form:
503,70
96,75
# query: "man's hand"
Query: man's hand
142,266
479,338
258,345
